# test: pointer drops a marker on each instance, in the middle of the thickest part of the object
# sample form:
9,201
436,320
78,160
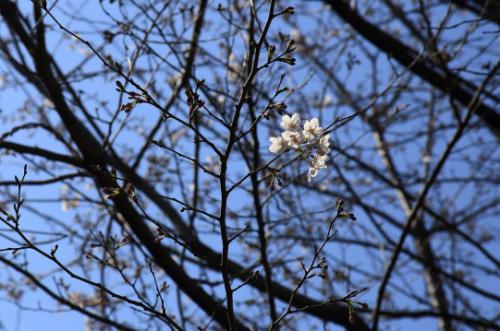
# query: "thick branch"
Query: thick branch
448,83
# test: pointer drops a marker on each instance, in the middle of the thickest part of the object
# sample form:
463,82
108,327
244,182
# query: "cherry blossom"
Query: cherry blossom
318,162
293,138
278,145
324,144
312,129
309,142
290,122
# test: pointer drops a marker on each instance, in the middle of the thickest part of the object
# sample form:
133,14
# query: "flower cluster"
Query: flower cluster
304,140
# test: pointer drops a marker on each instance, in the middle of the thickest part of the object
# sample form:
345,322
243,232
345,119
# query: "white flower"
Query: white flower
67,202
212,164
47,103
312,173
311,135
293,138
295,34
324,144
300,40
318,162
312,129
278,145
327,101
221,99
175,80
235,68
290,123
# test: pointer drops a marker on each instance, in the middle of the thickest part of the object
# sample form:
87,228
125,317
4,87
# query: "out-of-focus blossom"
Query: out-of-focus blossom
278,145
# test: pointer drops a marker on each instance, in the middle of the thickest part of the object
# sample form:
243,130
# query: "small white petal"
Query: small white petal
278,145
324,144
290,122
311,173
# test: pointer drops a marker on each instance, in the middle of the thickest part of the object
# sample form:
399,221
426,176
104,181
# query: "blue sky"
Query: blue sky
14,318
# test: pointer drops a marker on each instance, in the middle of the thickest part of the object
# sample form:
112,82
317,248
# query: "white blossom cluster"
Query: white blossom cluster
305,140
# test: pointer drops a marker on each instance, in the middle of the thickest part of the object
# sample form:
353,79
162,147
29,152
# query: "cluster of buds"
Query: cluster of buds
308,140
